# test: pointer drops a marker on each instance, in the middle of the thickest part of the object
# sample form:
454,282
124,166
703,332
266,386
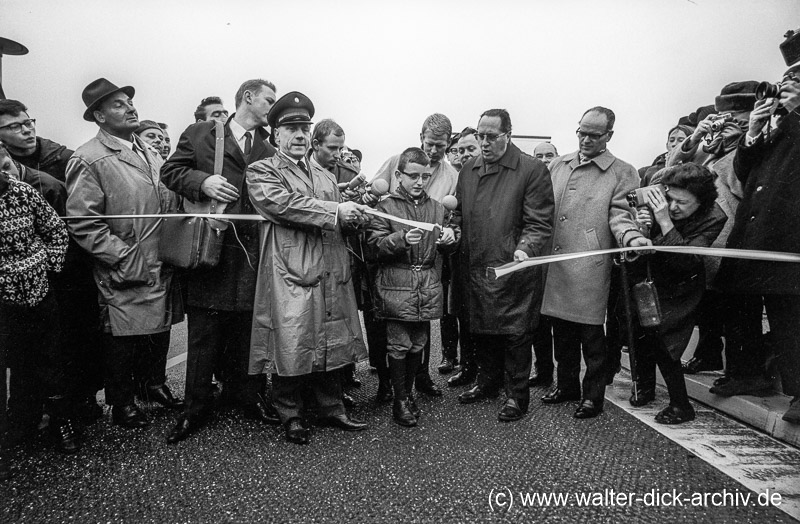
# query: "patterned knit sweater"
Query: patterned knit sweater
33,241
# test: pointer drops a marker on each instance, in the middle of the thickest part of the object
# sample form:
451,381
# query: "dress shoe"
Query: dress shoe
427,387
510,412
412,405
161,395
646,396
447,366
261,411
183,428
540,380
698,364
588,409
401,412
64,435
477,394
675,415
742,386
129,417
344,422
792,414
557,396
464,377
296,433
348,401
88,411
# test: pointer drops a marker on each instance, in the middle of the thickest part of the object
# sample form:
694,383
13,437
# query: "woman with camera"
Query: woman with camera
680,211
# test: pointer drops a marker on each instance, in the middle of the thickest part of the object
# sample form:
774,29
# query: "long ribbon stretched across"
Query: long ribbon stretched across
773,256
427,226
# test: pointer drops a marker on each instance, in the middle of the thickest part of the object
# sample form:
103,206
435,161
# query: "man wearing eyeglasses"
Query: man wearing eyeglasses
505,210
18,133
591,213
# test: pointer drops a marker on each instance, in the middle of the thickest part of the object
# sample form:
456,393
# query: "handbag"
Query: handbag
645,297
195,242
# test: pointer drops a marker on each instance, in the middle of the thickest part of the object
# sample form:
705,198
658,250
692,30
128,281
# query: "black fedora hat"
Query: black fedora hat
95,92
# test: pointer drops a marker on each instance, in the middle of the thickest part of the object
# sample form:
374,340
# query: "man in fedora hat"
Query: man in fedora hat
220,299
306,323
115,174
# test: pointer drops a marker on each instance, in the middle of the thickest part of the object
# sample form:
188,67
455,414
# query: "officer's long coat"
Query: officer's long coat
305,317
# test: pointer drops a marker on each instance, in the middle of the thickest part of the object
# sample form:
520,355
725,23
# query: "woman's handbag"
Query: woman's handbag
193,242
646,299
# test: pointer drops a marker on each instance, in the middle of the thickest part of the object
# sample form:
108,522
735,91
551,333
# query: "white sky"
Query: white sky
379,68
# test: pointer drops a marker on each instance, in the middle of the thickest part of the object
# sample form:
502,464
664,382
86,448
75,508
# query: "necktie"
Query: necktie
302,166
248,143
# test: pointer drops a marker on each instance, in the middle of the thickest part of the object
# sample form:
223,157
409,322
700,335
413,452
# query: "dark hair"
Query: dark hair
254,86
682,128
505,119
413,155
200,112
326,127
610,116
454,141
694,178
12,107
357,154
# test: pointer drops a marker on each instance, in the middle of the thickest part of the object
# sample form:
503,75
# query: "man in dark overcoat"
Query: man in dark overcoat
220,300
505,210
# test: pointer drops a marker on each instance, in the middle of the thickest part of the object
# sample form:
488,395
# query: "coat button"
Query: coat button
562,218
759,188
557,248
752,217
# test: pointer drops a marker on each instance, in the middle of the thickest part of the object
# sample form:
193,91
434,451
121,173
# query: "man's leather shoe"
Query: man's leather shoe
261,411
464,377
540,380
724,379
88,411
162,395
351,382
558,395
510,412
675,415
427,387
588,409
698,364
401,413
477,394
183,428
348,401
447,366
792,414
296,433
129,417
742,386
344,422
645,396
64,435
384,392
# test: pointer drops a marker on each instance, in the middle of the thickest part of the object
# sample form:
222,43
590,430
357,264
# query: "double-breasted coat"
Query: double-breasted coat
591,213
305,318
230,286
104,177
502,207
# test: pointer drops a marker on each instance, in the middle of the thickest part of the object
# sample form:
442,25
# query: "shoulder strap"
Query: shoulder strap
219,149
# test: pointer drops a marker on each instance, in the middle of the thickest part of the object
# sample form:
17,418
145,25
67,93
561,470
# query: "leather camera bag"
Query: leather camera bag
194,242
645,297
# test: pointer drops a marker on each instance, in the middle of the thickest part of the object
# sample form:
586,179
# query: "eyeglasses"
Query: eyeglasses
416,176
16,127
489,137
593,136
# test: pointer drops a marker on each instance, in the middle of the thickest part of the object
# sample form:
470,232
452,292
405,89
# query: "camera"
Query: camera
719,122
767,90
638,197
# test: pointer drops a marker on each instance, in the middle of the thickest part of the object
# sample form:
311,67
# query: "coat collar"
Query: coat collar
602,161
286,163
259,147
401,194
509,160
125,154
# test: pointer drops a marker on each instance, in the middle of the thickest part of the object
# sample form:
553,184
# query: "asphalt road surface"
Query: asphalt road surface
459,465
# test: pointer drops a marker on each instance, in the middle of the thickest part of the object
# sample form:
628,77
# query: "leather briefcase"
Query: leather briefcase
195,242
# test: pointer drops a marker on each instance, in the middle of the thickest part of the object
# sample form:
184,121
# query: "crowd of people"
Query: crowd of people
87,303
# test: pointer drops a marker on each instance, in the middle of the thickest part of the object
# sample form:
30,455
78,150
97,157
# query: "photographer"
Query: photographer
683,214
767,163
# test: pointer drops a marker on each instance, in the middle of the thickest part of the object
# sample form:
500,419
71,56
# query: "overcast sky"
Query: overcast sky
379,68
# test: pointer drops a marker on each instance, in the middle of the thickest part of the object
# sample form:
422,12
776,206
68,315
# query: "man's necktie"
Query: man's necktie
248,143
302,166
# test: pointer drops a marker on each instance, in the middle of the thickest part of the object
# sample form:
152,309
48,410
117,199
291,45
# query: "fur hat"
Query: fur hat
790,48
737,96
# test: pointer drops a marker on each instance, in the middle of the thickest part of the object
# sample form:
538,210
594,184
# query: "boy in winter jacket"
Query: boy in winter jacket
408,288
